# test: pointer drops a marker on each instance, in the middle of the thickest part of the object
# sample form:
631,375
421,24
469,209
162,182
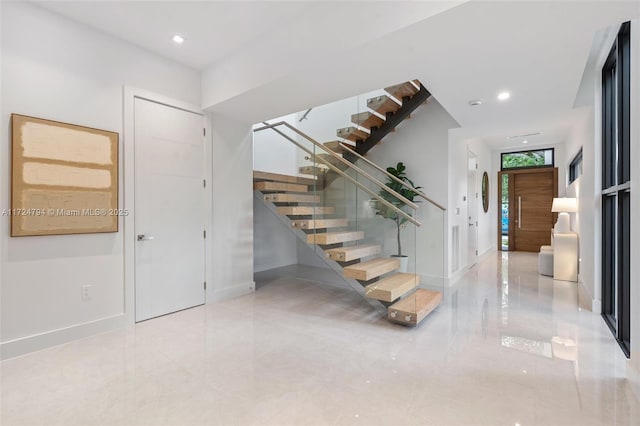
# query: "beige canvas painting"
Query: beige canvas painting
64,178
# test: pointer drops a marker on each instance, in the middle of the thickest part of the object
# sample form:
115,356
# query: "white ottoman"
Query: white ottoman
545,262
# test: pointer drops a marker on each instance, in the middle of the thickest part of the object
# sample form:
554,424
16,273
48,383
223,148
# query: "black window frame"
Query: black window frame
616,188
575,167
553,159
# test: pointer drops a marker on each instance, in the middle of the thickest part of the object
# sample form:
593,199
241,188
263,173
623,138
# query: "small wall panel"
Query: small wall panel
64,178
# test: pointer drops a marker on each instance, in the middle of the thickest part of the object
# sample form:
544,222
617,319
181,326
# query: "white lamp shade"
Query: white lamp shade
564,205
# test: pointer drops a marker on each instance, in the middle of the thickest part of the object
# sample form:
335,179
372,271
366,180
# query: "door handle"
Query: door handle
142,237
519,212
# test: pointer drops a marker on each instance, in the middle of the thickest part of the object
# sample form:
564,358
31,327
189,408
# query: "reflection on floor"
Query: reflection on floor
507,347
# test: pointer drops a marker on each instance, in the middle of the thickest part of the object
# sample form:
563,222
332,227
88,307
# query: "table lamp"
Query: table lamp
564,206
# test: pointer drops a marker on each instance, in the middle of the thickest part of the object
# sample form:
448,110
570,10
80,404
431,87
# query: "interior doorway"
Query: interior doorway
169,209
472,209
525,198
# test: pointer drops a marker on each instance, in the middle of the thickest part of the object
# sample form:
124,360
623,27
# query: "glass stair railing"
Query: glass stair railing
384,238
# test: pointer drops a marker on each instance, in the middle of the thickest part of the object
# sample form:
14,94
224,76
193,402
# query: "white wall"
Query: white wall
273,153
634,364
584,189
57,69
458,202
422,144
232,208
274,245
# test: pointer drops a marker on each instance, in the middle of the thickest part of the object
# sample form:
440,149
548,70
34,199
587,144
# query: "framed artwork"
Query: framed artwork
64,178
485,192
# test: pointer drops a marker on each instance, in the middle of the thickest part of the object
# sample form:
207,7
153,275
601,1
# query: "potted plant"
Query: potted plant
400,221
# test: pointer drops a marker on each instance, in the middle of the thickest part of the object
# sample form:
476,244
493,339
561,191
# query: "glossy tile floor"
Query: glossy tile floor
507,347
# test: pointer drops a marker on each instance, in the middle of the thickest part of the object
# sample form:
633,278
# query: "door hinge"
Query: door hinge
204,131
476,255
204,183
205,285
204,233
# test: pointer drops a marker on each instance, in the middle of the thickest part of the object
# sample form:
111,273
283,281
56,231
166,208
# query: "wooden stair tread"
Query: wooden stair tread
352,133
328,158
371,269
276,177
304,210
401,90
279,186
392,287
326,238
313,170
319,223
415,307
367,120
346,254
336,147
292,198
383,104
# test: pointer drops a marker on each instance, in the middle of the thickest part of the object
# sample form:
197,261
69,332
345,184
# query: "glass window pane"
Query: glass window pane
525,159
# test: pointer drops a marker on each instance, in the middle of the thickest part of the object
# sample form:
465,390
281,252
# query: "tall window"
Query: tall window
616,188
575,168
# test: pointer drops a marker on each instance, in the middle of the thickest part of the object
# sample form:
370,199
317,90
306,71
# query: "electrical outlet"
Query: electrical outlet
85,293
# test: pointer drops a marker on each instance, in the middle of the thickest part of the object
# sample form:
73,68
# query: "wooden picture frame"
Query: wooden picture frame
64,178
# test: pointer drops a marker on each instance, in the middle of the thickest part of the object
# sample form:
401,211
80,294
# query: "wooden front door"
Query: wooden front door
530,220
532,195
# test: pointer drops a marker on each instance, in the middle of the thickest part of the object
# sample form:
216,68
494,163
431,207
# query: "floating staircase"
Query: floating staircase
385,113
375,278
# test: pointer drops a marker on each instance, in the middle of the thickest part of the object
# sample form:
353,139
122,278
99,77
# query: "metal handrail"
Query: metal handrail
342,160
343,174
389,175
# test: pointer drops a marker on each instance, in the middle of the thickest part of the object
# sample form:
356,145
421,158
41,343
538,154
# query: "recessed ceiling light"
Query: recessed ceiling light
503,96
178,39
475,102
525,141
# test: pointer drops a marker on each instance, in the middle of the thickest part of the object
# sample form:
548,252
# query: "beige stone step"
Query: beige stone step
319,223
401,90
383,104
352,134
371,269
367,120
304,210
346,254
276,177
415,307
279,186
292,198
392,287
326,238
314,170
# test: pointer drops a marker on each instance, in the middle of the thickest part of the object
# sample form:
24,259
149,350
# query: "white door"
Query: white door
472,210
169,209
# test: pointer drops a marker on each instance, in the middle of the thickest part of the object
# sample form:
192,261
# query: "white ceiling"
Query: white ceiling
215,29
536,50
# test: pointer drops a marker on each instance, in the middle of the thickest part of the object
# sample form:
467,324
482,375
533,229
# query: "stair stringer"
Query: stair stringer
335,266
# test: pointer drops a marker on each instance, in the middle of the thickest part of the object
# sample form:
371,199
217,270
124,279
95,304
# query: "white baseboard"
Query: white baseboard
233,292
38,342
456,276
585,298
596,306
